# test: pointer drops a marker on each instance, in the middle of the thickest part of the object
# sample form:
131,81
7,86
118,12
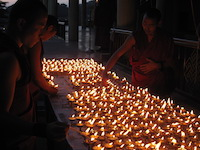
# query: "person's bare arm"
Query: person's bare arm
167,62
9,74
38,78
150,66
126,46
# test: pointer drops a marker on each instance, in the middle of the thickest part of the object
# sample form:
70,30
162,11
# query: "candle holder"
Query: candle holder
126,111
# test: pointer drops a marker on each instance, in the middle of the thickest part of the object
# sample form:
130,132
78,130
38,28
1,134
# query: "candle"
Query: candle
86,133
98,147
80,124
72,118
128,117
108,145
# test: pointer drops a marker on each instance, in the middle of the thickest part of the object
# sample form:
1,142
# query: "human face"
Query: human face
32,33
149,26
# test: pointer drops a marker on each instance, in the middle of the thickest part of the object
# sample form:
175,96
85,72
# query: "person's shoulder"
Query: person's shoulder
8,57
130,37
6,43
8,62
7,50
9,65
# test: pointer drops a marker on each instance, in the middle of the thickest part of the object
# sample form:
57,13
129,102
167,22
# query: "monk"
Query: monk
152,56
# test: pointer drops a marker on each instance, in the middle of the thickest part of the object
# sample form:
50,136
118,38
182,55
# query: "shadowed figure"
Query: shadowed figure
18,127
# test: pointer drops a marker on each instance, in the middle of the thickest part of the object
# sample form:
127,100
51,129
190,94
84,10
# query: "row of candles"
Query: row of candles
120,116
50,79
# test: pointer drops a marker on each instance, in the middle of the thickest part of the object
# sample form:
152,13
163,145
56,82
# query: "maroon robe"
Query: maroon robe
160,50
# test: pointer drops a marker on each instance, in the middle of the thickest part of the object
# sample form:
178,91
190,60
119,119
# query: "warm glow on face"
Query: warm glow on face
149,26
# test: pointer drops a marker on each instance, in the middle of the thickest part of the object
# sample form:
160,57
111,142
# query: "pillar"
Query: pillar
83,14
170,14
45,2
160,5
73,16
52,7
126,14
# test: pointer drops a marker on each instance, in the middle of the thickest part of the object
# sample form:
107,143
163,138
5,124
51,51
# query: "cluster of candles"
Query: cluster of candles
120,116
50,79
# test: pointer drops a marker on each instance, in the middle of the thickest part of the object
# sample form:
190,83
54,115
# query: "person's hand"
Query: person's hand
104,78
150,66
53,91
57,131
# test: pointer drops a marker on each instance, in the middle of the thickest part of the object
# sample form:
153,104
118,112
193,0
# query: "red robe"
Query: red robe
160,50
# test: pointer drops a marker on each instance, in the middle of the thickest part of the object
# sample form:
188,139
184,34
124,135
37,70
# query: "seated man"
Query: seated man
152,53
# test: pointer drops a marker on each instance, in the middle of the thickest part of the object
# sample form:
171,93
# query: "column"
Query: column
170,14
52,7
73,20
45,2
83,14
126,14
161,6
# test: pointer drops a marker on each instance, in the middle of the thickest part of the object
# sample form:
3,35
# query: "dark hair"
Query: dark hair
52,20
28,10
153,13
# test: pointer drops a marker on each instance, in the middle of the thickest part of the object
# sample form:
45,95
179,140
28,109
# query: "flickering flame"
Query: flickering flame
119,109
